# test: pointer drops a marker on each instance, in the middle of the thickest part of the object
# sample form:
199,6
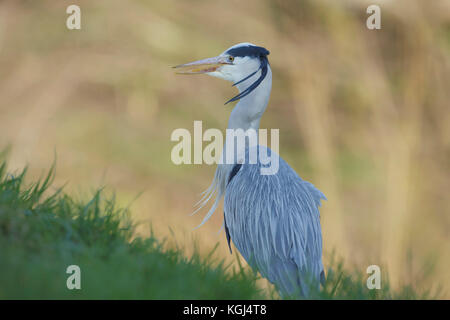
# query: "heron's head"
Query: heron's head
236,64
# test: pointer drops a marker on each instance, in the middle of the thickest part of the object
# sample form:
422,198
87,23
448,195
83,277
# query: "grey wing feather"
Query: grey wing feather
274,222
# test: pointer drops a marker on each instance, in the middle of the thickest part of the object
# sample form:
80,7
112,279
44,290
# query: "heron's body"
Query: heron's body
272,219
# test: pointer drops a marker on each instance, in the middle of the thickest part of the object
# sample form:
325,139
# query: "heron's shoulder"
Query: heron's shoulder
266,158
281,176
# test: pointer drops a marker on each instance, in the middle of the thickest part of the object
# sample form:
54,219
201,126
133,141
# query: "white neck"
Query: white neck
248,111
245,115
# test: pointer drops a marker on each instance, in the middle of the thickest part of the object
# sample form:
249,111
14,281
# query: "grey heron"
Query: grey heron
273,220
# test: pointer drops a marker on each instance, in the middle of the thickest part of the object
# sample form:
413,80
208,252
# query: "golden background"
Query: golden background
363,114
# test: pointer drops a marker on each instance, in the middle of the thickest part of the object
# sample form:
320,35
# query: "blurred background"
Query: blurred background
363,114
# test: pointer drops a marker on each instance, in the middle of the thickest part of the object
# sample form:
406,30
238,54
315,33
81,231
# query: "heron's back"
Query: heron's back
274,222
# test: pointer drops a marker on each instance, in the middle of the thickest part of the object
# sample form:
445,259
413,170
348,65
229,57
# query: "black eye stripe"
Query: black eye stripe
252,51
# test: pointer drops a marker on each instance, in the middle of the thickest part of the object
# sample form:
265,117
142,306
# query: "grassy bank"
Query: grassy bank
40,236
42,232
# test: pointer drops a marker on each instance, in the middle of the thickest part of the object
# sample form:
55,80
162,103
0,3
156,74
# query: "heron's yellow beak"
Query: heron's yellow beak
201,66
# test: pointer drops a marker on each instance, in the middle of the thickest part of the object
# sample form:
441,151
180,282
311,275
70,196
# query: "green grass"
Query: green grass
344,284
43,232
40,236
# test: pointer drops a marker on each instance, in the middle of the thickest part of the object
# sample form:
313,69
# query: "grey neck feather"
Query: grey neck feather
246,115
248,111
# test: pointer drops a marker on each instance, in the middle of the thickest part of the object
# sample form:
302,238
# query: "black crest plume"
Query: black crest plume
250,51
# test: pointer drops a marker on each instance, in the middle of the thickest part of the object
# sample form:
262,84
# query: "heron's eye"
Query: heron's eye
230,58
